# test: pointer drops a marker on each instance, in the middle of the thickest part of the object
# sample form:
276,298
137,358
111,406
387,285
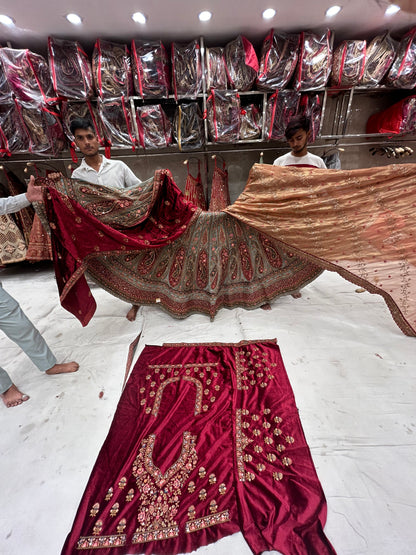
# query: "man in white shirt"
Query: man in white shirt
17,326
95,168
297,134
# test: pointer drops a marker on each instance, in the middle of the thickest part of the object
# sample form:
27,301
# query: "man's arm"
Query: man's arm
10,205
130,178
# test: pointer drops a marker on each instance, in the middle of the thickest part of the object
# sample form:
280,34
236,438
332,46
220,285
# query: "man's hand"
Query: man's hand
34,192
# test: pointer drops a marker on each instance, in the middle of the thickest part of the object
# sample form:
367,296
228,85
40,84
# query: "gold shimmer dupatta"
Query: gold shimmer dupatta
359,223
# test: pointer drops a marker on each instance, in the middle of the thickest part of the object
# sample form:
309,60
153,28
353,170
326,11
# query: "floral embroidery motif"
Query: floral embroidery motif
241,441
114,509
109,494
94,510
159,394
161,493
222,488
207,521
122,483
130,495
94,542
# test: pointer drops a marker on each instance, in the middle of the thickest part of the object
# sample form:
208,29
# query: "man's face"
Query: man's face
87,141
298,143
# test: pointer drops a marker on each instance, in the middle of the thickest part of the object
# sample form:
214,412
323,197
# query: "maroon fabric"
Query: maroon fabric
206,441
194,189
77,235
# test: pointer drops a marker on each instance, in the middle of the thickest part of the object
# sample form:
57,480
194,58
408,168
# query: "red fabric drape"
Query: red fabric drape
206,441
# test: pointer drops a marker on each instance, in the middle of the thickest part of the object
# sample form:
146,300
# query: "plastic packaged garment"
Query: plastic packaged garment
45,129
6,95
28,76
380,55
402,73
348,63
117,120
150,69
216,71
279,56
315,60
14,136
186,70
311,107
223,116
194,190
188,126
154,127
398,119
112,70
70,69
281,107
71,110
250,123
242,63
220,193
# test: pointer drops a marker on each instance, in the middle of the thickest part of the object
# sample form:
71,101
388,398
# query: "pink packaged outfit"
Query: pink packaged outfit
70,69
402,73
150,69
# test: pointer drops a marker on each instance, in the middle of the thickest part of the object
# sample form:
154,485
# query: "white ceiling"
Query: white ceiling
177,20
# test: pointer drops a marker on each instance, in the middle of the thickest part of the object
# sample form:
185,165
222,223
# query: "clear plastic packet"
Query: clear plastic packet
153,126
188,126
402,73
281,107
186,70
279,56
241,63
85,110
28,76
45,130
215,70
117,120
315,61
398,119
14,136
70,69
112,70
223,116
6,95
310,106
250,123
380,55
150,69
348,63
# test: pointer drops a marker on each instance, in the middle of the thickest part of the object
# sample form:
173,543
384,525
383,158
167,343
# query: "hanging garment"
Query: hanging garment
194,190
206,441
359,223
149,245
220,193
70,69
12,243
39,247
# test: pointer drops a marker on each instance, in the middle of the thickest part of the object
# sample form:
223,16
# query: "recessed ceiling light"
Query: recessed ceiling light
74,18
333,10
269,13
392,9
139,17
6,20
204,16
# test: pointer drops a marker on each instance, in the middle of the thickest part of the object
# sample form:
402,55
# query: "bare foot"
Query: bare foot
13,397
132,313
266,306
297,295
64,368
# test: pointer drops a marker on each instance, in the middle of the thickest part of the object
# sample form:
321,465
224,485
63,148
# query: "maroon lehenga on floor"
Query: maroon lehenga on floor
206,441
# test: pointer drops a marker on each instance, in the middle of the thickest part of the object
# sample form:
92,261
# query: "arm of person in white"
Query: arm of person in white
9,205
130,178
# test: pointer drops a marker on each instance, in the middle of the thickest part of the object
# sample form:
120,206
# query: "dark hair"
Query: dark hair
296,124
80,123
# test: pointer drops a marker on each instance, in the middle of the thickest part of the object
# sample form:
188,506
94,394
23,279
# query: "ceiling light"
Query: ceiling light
6,20
269,13
204,16
139,17
333,10
74,18
392,9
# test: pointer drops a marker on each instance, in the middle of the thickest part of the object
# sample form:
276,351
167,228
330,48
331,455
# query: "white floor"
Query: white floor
352,370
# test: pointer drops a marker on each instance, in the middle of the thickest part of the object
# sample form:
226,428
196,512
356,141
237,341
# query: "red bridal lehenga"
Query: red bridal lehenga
148,245
206,441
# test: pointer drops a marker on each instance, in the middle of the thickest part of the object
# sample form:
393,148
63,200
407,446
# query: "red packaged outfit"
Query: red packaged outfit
150,69
279,56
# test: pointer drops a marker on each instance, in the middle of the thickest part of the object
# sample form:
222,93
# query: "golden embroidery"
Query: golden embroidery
261,467
130,495
203,494
213,507
191,487
212,479
122,483
109,494
271,457
280,448
191,512
222,488
121,526
207,521
287,461
114,509
290,439
161,492
277,476
95,509
97,528
241,443
159,394
202,472
250,476
96,542
277,432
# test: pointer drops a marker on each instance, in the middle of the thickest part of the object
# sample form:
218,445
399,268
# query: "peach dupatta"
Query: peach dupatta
359,223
